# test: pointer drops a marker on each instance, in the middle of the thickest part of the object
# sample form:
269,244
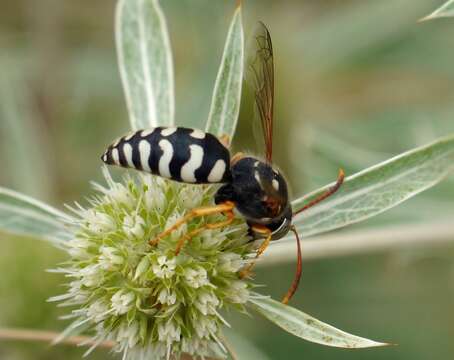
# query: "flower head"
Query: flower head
145,298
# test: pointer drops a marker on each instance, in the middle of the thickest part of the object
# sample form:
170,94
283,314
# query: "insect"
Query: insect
251,185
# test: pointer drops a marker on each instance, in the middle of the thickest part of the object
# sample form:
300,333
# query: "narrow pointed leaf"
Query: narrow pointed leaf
446,10
378,188
145,62
307,327
23,215
225,103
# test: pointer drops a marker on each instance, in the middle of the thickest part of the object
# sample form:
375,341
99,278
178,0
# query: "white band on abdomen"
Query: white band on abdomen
217,172
166,158
195,161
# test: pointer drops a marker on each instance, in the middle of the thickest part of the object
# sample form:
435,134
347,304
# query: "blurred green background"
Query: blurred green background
357,81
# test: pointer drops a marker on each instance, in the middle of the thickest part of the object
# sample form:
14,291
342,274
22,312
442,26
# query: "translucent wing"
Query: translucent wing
261,77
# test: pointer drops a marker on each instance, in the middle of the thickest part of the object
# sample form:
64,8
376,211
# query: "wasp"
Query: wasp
250,185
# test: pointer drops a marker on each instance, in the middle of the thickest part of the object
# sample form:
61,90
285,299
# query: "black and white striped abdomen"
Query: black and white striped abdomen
176,153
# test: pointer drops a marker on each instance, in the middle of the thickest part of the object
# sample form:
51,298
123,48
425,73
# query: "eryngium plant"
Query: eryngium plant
149,303
145,298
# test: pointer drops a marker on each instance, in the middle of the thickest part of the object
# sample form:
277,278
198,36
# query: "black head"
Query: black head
260,194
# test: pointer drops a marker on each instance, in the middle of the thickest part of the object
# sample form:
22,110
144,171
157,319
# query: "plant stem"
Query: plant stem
49,336
362,241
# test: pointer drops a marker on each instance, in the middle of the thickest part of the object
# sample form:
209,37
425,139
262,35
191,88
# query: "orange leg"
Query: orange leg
217,225
298,272
197,212
267,234
326,194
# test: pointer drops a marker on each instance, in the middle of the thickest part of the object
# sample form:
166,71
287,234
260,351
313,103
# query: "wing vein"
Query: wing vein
261,77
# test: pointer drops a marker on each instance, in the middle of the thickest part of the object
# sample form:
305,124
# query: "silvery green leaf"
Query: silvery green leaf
225,103
145,62
307,327
23,215
377,189
446,10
